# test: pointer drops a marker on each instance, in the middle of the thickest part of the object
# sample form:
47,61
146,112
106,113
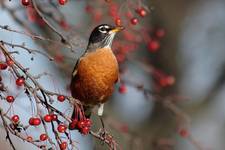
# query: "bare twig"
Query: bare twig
63,39
29,50
32,35
6,130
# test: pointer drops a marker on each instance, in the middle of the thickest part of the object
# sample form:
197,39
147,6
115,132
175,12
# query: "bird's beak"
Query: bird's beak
117,29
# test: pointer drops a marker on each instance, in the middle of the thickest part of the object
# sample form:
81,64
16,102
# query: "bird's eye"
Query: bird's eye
103,29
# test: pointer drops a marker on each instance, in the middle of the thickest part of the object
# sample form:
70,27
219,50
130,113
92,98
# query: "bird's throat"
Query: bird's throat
105,43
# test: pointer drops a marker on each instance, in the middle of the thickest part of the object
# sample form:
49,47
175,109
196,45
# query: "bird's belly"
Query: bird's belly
95,78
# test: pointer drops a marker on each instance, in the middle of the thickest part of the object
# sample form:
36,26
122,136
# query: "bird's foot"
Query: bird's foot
103,134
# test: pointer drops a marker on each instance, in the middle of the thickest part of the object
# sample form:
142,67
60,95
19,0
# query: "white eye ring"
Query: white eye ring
102,29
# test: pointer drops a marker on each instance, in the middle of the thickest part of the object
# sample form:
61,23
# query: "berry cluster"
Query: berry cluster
153,43
4,65
83,125
132,16
51,117
19,82
134,20
36,121
80,122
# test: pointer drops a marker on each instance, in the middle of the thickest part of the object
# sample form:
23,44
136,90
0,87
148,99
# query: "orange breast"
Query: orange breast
96,75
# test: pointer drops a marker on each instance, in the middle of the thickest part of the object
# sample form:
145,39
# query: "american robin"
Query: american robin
96,71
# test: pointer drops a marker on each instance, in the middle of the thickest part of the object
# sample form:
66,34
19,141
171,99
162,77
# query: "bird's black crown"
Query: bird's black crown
100,33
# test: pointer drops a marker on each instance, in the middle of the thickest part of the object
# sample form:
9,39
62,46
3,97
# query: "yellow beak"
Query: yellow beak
117,29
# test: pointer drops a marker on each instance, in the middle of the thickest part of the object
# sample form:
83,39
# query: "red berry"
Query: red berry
63,145
62,2
3,66
15,119
184,133
87,122
9,62
122,89
163,82
129,14
113,10
85,130
153,45
97,15
88,8
20,81
10,99
120,57
64,24
31,121
73,124
81,124
29,139
36,121
54,117
61,98
25,2
118,22
48,118
160,33
141,12
43,137
124,128
134,21
61,128
170,80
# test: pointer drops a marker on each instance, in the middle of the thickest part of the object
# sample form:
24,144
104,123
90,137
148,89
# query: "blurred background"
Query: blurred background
191,53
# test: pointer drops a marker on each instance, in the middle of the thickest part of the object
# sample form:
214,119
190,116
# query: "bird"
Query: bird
96,71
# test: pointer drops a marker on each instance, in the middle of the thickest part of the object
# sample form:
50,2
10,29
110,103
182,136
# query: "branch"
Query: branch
6,130
63,39
29,50
32,36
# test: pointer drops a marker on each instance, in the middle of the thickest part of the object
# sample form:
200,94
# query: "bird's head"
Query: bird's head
103,35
